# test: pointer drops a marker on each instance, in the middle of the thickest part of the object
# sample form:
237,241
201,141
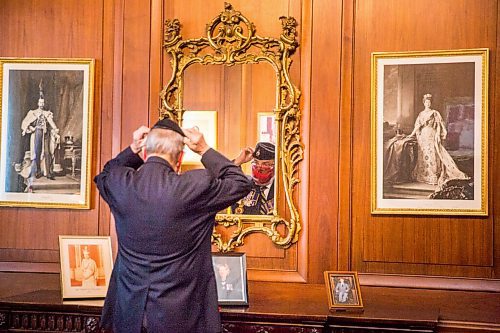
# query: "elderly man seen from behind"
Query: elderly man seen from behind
163,279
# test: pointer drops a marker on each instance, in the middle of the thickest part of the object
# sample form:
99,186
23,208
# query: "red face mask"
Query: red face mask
262,174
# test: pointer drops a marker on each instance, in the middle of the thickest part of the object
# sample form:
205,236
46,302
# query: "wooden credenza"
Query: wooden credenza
281,308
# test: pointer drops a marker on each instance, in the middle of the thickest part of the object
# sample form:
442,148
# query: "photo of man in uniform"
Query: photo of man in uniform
230,277
260,200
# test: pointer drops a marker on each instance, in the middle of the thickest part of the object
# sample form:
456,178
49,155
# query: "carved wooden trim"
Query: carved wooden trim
49,322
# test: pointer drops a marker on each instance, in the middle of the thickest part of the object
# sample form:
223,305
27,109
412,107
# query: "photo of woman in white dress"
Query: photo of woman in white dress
434,165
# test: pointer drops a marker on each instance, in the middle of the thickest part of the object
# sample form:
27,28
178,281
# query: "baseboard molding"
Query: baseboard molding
460,326
429,282
29,267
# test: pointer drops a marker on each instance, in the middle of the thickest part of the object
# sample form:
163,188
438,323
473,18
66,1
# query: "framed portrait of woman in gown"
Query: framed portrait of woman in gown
429,124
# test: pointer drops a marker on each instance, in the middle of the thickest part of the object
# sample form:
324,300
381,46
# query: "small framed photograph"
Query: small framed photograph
343,290
86,265
46,132
266,127
231,276
430,132
206,121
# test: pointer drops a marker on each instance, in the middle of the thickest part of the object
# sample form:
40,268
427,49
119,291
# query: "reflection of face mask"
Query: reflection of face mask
262,174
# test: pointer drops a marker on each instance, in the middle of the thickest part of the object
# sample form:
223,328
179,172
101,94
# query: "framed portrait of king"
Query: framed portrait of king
430,132
46,132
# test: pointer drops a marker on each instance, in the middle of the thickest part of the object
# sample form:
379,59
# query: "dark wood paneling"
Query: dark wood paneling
110,84
324,139
395,244
495,149
333,67
135,69
52,29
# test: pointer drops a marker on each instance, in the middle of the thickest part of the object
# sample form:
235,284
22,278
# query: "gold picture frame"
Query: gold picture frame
46,132
429,128
86,266
343,290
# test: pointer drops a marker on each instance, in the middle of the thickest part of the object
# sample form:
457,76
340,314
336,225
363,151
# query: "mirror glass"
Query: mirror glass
234,108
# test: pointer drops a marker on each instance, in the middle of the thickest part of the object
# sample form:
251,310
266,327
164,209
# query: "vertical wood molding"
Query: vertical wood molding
345,154
305,106
494,150
155,59
324,195
116,116
118,53
105,120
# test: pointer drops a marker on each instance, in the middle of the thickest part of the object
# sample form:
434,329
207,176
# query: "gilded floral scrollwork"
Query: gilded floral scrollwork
231,39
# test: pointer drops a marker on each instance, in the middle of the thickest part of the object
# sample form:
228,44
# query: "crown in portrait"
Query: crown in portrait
40,89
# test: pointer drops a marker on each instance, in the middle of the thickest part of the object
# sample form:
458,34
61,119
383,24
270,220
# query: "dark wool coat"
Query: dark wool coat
163,272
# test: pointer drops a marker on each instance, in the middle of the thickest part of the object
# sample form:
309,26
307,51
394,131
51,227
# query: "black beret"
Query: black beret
264,151
166,123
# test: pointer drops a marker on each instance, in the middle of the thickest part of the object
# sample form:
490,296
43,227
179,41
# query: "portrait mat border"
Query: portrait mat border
81,200
75,292
479,205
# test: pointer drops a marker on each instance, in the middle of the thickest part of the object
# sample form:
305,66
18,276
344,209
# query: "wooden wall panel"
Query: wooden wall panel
135,69
53,29
495,149
324,138
332,68
400,244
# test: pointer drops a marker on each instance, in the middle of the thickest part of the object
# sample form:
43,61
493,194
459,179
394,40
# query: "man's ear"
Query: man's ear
179,161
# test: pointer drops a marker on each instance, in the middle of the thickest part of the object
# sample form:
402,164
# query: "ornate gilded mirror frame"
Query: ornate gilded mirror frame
231,40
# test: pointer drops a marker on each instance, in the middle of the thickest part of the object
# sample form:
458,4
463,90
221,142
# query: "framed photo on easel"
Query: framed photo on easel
86,266
231,278
343,290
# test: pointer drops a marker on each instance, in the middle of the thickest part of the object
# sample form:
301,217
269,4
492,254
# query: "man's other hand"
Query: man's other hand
195,141
246,155
139,139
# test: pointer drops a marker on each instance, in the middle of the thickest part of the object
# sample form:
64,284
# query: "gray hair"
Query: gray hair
163,141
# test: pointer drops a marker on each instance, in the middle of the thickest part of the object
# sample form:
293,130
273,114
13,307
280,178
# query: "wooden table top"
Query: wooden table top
289,301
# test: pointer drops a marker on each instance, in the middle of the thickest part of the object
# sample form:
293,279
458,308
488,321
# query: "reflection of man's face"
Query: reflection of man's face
86,254
223,271
41,103
262,171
